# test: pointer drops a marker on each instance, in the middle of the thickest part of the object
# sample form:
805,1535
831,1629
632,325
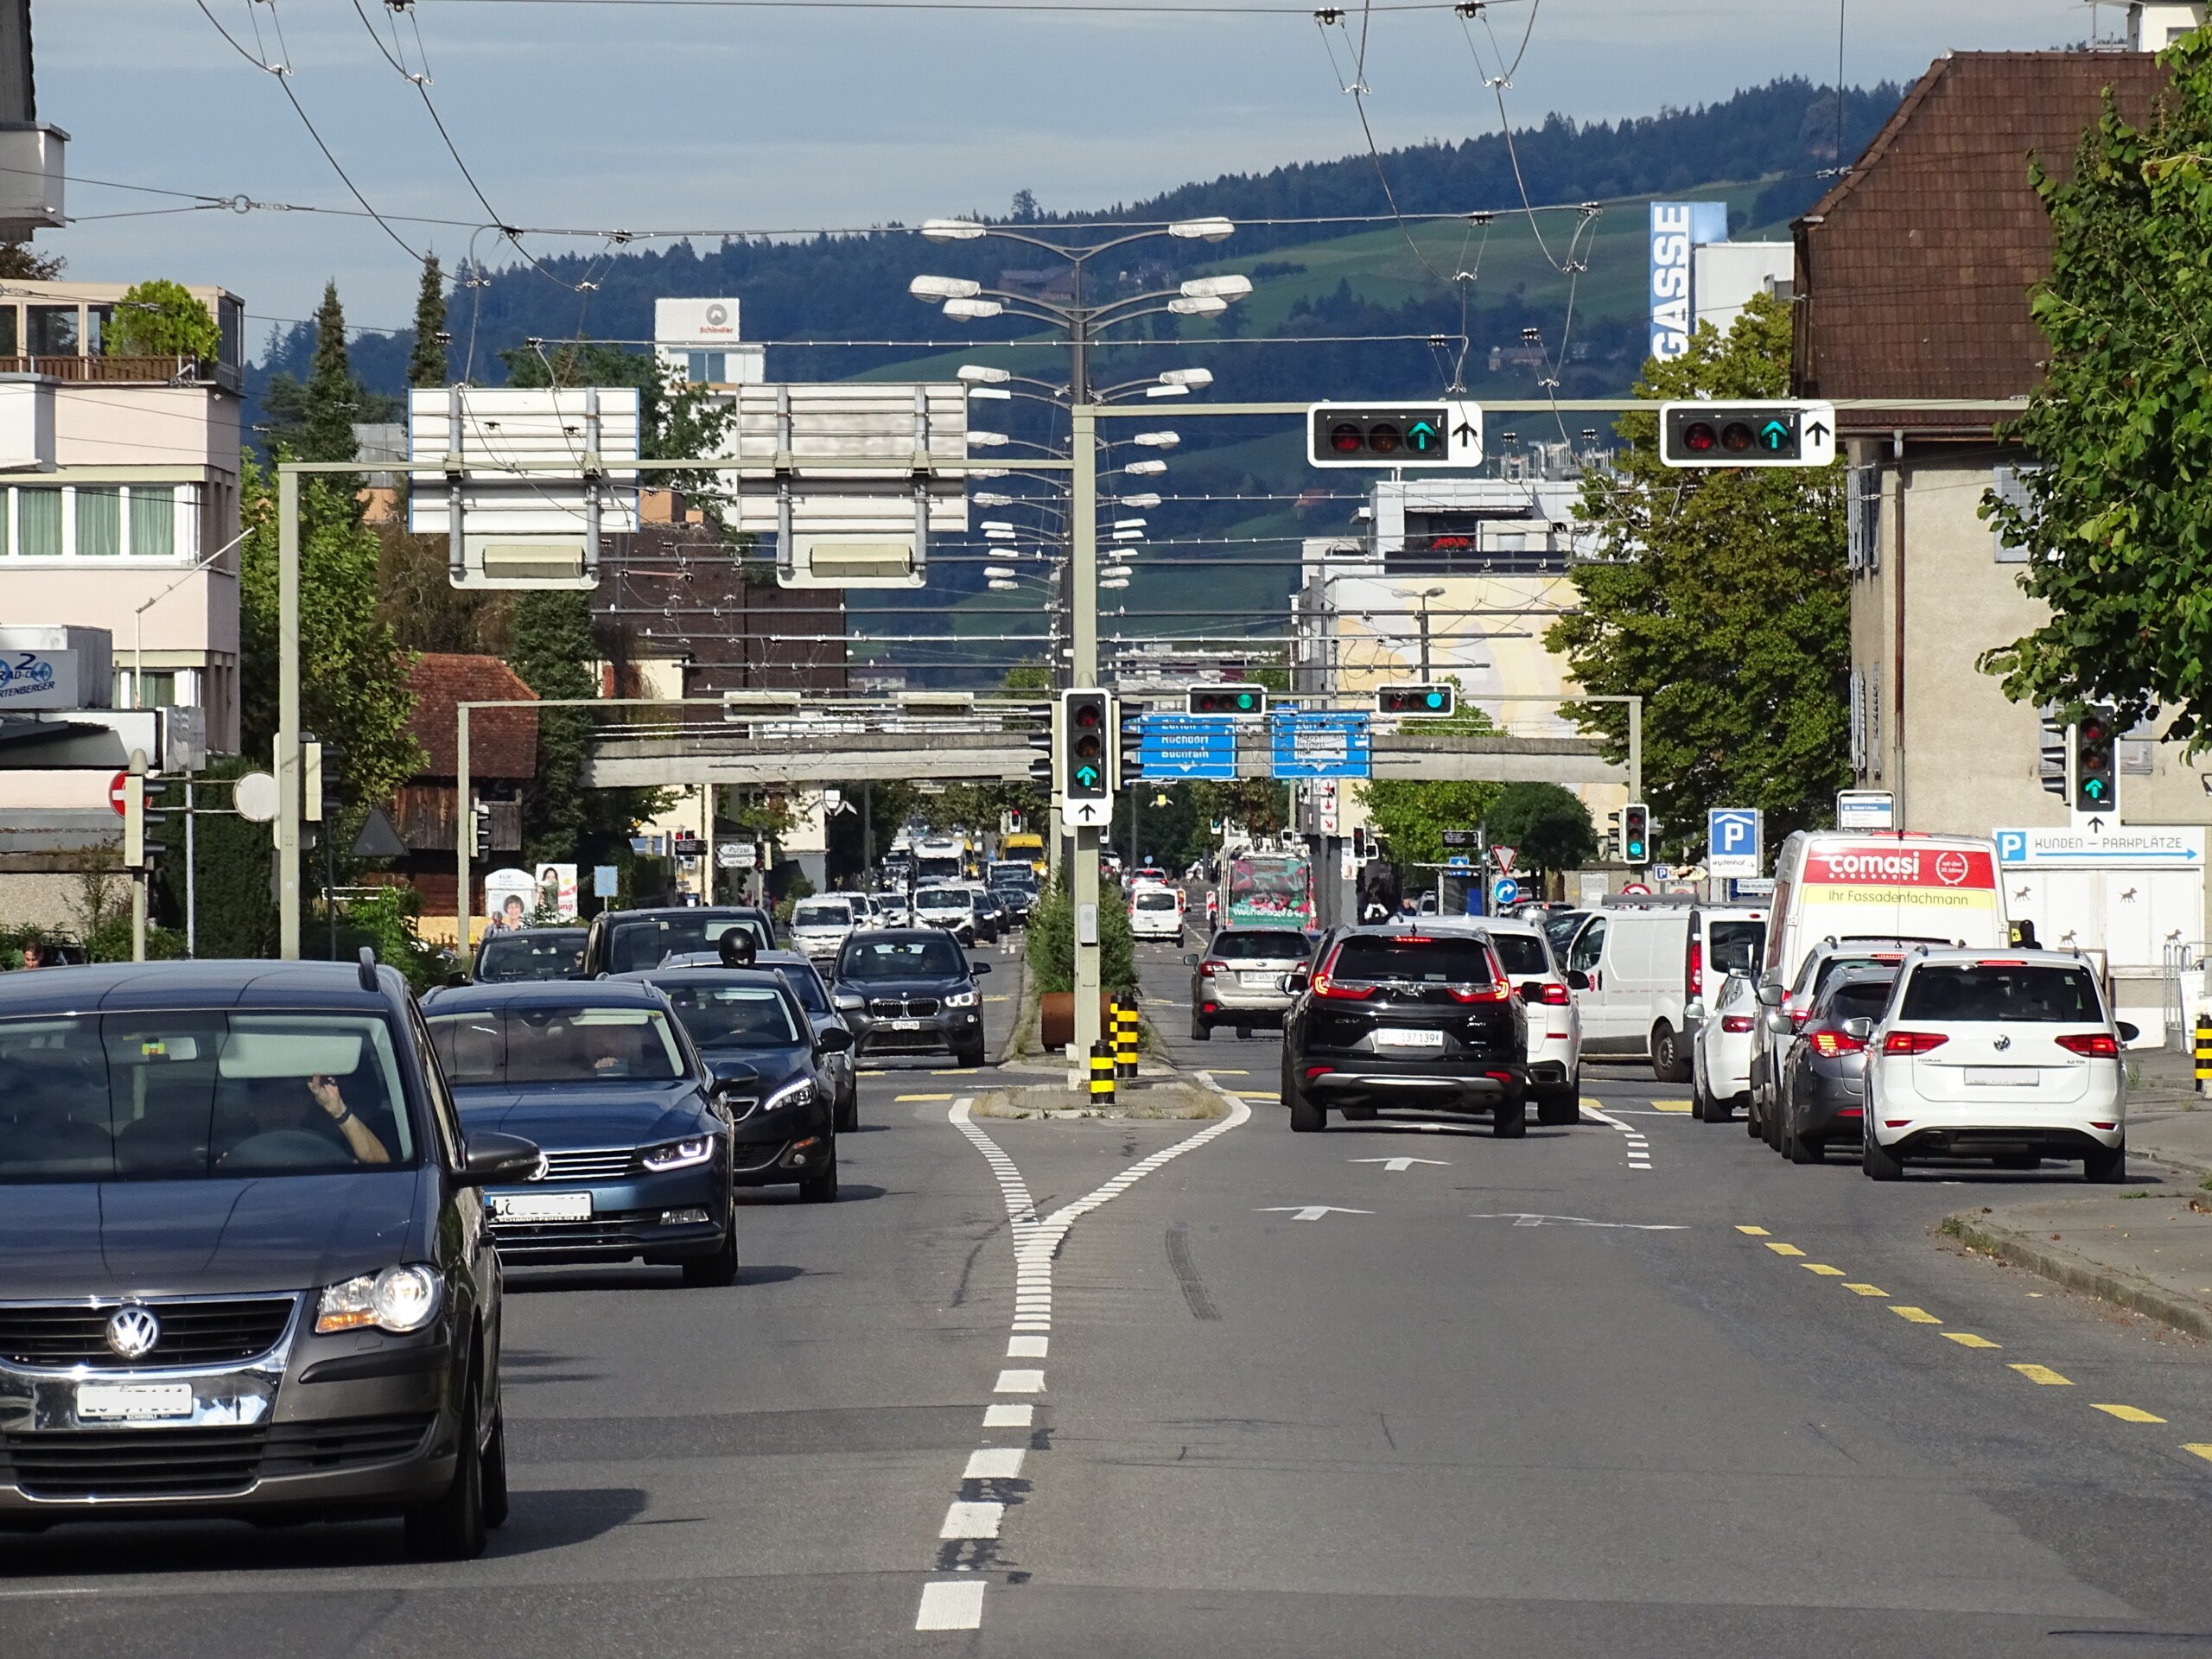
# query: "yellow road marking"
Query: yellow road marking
1681,1106
995,999
958,1072
2200,1448
1967,1339
2129,1414
1785,1250
904,1099
1756,1232
1255,1094
2045,1376
1917,1315
1867,1290
1822,1268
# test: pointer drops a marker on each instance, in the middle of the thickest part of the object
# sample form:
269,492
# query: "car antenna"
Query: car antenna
368,968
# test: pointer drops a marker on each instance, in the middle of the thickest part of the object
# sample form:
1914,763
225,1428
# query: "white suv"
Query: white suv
2009,1055
950,908
819,926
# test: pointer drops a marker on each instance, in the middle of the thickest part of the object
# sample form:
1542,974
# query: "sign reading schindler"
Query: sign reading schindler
1677,227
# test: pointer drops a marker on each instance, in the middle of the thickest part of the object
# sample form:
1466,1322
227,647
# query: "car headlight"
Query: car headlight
399,1299
687,1154
961,999
797,1093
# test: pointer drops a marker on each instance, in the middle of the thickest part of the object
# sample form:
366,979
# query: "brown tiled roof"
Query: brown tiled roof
1913,273
502,742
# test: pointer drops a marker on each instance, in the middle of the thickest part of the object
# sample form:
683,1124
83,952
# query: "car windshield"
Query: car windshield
1859,999
557,1043
832,914
806,985
196,1096
1154,899
506,958
1561,929
2041,993
734,1016
1734,947
1259,945
941,899
1422,958
647,944
873,958
1521,953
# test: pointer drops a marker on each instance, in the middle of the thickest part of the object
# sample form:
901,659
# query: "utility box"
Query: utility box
54,666
31,178
26,423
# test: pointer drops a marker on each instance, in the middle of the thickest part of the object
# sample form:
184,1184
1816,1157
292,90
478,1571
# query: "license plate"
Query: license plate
1258,982
2005,1077
132,1402
541,1206
905,1024
1407,1037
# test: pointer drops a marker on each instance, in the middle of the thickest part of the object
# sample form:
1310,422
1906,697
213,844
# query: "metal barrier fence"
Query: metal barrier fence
2181,959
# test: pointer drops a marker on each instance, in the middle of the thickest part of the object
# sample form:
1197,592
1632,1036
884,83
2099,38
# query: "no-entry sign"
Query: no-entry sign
116,787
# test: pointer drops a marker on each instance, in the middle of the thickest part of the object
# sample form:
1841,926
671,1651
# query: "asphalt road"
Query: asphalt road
1505,1398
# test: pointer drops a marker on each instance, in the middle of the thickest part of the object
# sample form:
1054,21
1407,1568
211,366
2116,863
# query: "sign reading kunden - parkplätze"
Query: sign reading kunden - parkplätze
1932,880
2122,846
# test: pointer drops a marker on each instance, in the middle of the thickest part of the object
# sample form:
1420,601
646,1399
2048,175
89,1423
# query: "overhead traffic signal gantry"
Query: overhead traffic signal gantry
1084,757
1425,697
2096,762
1241,699
1448,434
1783,433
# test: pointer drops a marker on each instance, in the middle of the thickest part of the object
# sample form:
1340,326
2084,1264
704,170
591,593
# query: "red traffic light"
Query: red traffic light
1700,437
1346,439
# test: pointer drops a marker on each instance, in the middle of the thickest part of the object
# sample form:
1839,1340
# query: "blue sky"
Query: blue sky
628,116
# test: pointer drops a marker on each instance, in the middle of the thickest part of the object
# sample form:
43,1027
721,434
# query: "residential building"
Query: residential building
1912,278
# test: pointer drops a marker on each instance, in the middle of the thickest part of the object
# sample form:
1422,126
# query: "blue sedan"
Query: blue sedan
635,1129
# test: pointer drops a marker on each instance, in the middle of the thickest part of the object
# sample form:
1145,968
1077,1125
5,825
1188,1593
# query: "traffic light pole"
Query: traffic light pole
1083,581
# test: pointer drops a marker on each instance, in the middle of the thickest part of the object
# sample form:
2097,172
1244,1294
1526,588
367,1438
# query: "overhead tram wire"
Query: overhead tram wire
1034,8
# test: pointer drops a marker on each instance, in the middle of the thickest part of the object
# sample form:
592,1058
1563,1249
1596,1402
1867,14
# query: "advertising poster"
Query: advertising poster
556,893
510,895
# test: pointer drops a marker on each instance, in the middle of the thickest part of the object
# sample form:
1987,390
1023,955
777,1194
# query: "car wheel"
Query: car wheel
1667,1061
1717,1110
1801,1148
1697,1094
450,1527
710,1272
1243,1034
969,1057
495,1473
1306,1115
820,1187
849,1112
1881,1163
1200,1032
1556,1108
2106,1165
1509,1121
1751,1114
1770,1123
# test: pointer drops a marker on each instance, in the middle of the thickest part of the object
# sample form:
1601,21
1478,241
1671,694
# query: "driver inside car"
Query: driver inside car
286,1105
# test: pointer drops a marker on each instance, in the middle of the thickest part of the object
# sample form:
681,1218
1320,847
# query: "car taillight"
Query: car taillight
1736,1023
1694,973
1828,1043
1336,991
1496,991
2097,1044
1912,1042
1799,1016
1208,969
1557,996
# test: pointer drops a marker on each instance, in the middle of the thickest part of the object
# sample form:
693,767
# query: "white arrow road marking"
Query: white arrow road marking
1399,1165
1310,1211
1521,1218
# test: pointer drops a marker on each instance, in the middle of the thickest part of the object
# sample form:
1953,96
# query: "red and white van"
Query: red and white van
1848,884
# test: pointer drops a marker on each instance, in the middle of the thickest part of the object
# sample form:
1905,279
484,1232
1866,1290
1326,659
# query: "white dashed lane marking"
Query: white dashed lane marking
1637,1148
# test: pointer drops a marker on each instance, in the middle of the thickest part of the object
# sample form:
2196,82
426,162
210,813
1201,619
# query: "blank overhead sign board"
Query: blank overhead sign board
850,421
501,427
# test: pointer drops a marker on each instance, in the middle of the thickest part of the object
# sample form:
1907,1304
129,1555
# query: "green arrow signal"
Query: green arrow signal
1775,434
1086,777
1421,436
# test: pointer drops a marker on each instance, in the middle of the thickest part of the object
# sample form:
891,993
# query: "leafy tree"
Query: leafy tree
1721,598
426,363
2117,518
18,264
314,419
1049,936
1261,804
1549,826
354,690
159,319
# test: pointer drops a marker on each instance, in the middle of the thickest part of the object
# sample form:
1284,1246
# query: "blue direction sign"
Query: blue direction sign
1504,890
1320,744
1188,745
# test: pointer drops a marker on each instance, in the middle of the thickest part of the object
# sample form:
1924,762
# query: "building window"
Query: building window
153,524
2008,485
1864,524
53,330
99,521
10,344
38,524
705,368
162,688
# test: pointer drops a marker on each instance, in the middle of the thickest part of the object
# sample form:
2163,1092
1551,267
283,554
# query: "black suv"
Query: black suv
909,990
1392,1016
631,941
245,1265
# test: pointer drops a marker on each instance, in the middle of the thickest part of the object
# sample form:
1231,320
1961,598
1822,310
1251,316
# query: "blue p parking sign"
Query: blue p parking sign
1734,837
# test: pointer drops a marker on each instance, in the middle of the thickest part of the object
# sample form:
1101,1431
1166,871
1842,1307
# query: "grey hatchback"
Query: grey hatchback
244,1263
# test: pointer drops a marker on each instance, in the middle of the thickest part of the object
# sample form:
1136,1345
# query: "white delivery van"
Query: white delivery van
1722,939
1848,884
1624,959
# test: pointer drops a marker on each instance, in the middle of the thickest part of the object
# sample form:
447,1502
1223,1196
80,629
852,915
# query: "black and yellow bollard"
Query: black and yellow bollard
1125,1040
1102,1073
2205,1053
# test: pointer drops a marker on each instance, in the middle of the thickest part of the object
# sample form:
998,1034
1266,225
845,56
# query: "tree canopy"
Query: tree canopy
1547,825
426,361
1722,599
159,319
2117,515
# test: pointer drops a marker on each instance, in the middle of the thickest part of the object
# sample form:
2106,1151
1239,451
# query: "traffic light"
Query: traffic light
1040,766
483,817
1239,698
1636,833
1395,435
1086,757
142,820
1429,698
1746,435
1128,739
2096,761
1360,851
311,785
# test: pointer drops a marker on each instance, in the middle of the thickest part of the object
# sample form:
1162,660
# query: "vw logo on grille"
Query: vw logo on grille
132,1331
2002,1044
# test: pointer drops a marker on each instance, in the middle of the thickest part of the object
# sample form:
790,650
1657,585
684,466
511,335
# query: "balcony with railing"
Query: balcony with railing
75,369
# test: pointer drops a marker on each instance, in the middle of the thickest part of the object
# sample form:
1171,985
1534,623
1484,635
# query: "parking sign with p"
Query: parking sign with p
1734,837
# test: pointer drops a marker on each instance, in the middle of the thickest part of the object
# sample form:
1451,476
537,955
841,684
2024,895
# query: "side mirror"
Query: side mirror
1294,984
455,980
847,1002
1694,1011
490,1158
2128,1033
731,1078
1577,980
1861,1028
1771,995
835,1040
974,968
1190,958
1780,1023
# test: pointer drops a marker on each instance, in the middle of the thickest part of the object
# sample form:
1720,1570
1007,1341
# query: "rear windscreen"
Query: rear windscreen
2041,993
1834,965
1155,899
1259,946
1521,953
1422,959
1734,947
1861,1000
